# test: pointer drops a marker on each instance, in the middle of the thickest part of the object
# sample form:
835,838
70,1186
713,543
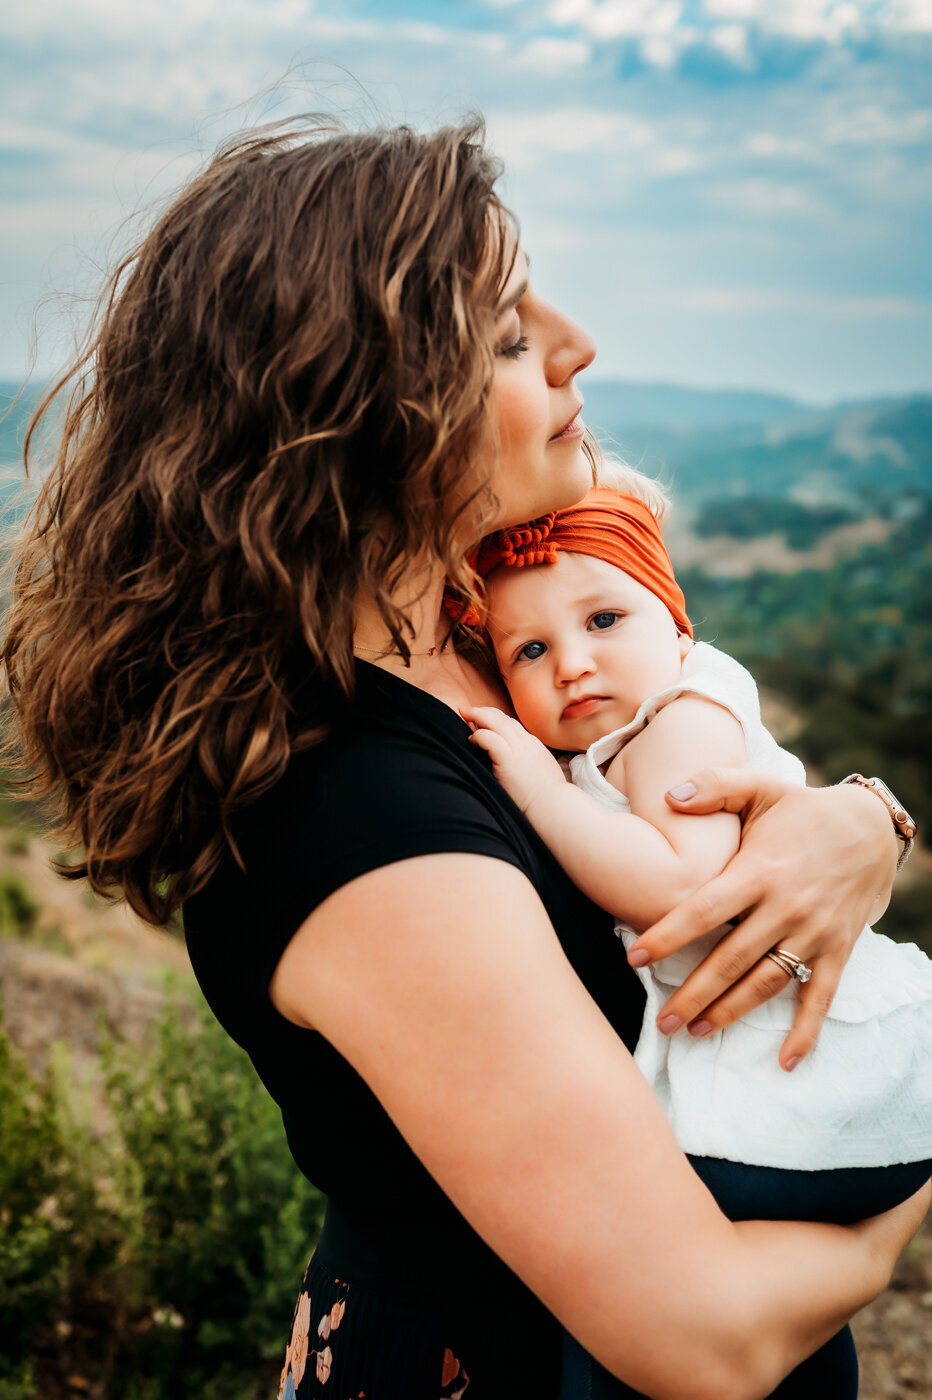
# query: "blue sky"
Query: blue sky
725,192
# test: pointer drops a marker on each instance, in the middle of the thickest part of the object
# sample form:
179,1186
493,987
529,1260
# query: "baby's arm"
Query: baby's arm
637,865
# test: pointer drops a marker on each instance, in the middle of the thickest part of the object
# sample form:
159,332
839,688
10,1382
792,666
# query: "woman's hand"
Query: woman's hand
522,764
890,1233
812,864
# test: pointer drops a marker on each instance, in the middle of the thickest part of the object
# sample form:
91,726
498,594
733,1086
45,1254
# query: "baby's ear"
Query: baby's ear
686,644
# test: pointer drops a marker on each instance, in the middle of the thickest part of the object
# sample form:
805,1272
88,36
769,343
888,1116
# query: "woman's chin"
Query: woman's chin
569,485
563,482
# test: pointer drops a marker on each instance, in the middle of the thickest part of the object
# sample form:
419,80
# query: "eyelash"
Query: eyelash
511,352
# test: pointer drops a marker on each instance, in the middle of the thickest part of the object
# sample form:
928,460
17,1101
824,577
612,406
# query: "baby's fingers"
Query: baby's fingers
495,746
488,717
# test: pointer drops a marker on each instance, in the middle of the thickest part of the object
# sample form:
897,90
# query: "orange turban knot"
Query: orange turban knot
605,524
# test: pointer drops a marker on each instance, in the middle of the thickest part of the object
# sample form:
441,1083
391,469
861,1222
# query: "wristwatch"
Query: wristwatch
903,824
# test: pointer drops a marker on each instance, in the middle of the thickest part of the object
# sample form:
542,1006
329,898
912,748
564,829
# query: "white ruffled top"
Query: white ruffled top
863,1097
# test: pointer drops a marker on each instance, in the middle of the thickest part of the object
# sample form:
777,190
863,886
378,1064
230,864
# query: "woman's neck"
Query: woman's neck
433,663
419,596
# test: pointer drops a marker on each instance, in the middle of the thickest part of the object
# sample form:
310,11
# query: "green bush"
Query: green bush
18,909
31,1275
750,517
158,1255
16,844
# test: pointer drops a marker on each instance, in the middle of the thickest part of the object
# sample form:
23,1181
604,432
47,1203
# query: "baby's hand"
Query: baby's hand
522,764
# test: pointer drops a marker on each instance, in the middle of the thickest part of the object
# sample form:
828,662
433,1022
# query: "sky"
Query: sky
726,193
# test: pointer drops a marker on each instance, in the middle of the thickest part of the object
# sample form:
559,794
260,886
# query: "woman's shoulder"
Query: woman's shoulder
395,756
395,778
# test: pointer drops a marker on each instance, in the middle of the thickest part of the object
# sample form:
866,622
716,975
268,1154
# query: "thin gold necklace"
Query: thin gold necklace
382,651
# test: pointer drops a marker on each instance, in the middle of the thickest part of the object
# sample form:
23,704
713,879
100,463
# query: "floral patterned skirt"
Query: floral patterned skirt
357,1341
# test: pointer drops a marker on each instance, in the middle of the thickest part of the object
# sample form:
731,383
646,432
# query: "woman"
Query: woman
319,380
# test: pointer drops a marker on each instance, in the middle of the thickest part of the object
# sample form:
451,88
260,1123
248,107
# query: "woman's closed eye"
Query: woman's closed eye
518,347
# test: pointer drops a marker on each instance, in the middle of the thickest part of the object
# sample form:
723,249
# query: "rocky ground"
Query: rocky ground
894,1335
87,960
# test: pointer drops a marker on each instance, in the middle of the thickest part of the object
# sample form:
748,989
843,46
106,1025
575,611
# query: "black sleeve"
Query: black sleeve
338,813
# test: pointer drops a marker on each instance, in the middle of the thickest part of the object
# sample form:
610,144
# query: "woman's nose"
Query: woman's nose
573,349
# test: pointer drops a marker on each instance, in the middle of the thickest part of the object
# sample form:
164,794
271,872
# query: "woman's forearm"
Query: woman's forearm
802,1283
771,1294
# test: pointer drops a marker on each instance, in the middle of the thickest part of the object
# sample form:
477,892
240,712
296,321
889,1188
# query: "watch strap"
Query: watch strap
903,824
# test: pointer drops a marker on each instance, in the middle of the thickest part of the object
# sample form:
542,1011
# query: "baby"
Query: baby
592,639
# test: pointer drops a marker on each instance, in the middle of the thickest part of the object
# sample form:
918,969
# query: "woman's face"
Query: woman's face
535,404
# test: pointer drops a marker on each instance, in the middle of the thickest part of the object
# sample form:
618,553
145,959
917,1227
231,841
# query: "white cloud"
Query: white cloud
733,9
617,19
757,196
911,15
116,20
659,53
830,20
768,144
613,19
677,160
523,137
739,300
732,41
873,125
570,11
550,55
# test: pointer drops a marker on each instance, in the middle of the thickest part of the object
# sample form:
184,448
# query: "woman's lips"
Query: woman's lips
575,428
578,709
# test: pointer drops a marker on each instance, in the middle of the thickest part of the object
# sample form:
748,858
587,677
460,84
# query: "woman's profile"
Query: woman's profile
319,380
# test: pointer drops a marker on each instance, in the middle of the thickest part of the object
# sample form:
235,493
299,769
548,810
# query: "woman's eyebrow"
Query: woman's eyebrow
512,301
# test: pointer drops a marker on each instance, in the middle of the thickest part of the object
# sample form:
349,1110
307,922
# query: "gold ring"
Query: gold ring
791,964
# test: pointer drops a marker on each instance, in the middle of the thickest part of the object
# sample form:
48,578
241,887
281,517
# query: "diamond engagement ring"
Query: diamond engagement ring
791,964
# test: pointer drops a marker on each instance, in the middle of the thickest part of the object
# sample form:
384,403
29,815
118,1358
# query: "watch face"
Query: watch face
905,826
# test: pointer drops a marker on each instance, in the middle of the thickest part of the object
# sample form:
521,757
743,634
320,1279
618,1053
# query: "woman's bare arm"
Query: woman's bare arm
458,1008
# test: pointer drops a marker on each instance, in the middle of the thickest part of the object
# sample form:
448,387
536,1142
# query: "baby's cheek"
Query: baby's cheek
533,714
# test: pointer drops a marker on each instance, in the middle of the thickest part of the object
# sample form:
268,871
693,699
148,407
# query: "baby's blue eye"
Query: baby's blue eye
604,619
532,651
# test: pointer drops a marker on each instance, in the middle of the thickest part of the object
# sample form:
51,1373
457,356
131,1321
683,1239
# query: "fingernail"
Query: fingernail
638,957
792,1063
683,792
700,1028
669,1024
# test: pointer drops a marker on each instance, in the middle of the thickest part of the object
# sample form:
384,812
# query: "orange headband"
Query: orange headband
607,525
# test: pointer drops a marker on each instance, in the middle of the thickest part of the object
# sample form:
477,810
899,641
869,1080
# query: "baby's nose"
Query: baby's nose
572,661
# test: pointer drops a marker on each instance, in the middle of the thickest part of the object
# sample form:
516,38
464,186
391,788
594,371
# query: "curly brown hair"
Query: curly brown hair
280,403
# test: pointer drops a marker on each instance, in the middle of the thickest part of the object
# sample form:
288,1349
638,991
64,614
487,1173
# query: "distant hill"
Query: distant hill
617,406
866,458
13,424
707,445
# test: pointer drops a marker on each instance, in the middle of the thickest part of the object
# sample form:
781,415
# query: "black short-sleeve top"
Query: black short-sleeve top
397,778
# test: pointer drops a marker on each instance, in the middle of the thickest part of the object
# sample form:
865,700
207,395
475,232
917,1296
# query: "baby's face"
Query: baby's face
580,646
